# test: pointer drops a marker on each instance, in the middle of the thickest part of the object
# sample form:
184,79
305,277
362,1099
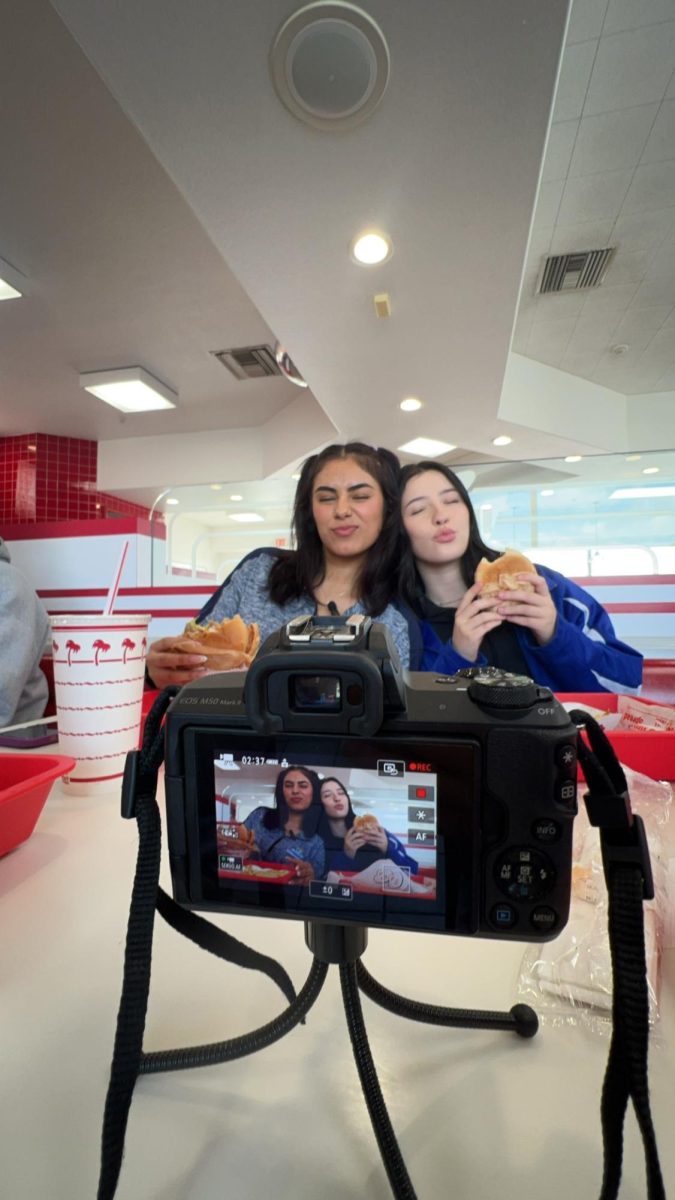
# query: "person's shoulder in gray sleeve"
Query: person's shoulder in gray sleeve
24,632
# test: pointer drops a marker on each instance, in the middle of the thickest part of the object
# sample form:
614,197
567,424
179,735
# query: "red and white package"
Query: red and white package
636,715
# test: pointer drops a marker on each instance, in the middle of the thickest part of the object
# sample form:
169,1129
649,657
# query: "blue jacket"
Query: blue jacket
584,654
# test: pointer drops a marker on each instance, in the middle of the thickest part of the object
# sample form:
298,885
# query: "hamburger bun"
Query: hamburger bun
367,821
229,645
502,574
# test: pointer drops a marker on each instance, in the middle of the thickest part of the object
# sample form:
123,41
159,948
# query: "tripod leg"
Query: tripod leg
392,1158
521,1019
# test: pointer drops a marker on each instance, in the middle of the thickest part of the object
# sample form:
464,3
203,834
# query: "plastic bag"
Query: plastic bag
569,980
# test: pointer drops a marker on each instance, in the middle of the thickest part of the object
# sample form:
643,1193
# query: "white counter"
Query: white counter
477,1114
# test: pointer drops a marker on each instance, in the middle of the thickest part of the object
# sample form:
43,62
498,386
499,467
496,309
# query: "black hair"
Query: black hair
276,818
298,573
409,579
351,815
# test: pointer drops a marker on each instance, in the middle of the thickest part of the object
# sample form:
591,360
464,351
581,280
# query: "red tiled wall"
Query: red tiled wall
49,478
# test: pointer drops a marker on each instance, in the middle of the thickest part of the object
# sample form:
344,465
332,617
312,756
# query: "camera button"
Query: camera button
546,830
566,793
543,918
503,916
566,760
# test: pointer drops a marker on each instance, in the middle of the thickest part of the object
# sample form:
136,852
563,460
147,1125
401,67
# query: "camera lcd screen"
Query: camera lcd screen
328,826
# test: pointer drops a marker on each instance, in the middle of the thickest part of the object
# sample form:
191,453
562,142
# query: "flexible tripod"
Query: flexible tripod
628,875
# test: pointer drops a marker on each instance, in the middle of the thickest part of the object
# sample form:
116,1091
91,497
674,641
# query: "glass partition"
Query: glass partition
603,515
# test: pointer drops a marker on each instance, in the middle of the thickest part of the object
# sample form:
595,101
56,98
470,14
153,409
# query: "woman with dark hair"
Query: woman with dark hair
556,633
288,833
346,534
352,844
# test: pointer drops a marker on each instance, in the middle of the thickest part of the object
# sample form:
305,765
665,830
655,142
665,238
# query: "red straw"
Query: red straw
115,585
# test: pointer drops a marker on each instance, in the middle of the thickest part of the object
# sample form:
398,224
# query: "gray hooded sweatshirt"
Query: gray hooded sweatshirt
24,629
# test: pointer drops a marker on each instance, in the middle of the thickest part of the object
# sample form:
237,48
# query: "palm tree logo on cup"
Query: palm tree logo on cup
127,645
72,648
99,646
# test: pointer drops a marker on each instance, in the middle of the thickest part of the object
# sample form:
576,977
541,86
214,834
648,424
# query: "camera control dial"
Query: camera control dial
500,689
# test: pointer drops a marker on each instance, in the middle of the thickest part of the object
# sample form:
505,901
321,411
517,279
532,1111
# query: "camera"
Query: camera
327,784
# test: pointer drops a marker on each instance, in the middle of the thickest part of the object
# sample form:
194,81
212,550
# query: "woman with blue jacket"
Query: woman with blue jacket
557,634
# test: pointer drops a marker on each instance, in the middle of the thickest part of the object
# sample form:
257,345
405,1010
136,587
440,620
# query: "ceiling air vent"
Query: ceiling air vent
571,272
249,362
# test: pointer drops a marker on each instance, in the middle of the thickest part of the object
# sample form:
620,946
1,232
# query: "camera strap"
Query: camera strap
139,789
628,876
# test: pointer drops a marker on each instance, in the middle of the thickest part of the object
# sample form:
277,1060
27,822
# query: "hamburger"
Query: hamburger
229,645
366,822
502,574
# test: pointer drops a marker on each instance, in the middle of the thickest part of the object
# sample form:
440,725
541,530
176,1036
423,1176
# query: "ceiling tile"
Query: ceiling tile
548,339
548,203
666,382
661,141
586,20
631,14
653,187
630,381
594,329
655,291
629,266
661,349
581,235
643,231
575,72
520,335
631,68
610,298
594,197
556,307
612,140
579,361
638,326
559,150
670,91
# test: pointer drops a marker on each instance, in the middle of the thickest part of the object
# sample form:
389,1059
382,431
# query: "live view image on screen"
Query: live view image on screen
337,831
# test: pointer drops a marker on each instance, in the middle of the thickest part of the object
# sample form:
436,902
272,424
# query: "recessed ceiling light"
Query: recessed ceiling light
216,487
502,440
547,492
172,500
236,496
410,404
427,447
633,457
650,470
130,389
631,493
295,475
573,458
485,507
371,247
246,517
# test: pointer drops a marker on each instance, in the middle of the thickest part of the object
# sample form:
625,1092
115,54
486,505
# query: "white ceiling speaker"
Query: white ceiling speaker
330,65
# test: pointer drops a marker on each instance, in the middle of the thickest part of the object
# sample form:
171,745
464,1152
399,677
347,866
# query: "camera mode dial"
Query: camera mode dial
500,689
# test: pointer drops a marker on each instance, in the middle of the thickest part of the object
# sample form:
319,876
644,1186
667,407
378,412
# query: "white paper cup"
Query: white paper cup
99,669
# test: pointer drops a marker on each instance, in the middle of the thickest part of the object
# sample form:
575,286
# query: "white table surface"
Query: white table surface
478,1115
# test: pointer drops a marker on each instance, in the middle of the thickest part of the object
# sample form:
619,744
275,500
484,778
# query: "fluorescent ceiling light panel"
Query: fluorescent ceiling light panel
246,517
427,447
502,440
7,292
630,493
11,281
130,389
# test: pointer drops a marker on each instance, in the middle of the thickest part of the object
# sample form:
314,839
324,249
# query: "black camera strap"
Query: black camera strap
628,876
139,791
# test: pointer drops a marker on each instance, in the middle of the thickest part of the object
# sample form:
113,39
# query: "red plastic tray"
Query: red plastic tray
25,783
652,753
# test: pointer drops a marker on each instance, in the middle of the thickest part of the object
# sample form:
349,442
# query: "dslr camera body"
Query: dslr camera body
467,783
